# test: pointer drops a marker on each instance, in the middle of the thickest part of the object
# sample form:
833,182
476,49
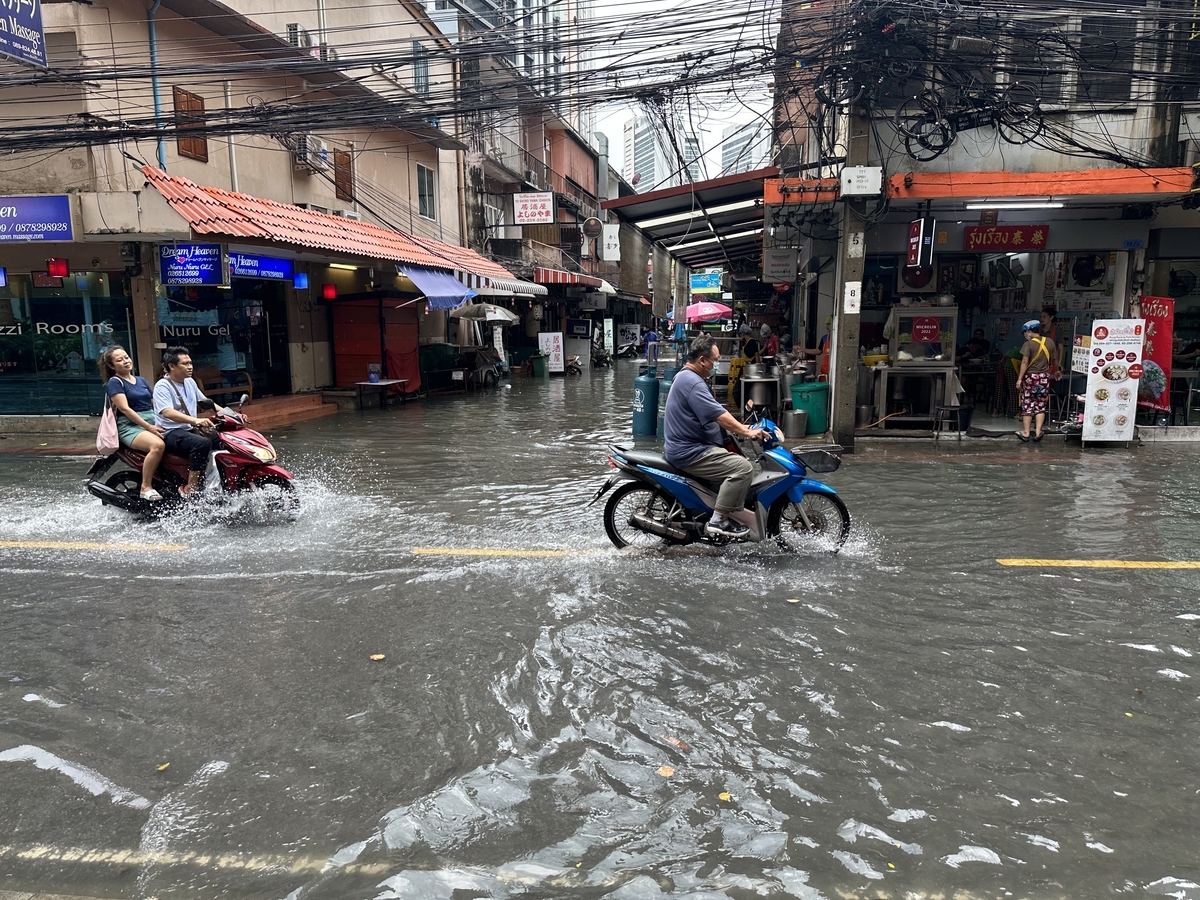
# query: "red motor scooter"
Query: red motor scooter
244,461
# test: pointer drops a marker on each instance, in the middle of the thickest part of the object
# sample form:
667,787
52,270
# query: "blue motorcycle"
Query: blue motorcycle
656,505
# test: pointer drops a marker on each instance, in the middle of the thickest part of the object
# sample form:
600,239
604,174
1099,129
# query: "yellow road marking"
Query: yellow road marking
486,551
1102,563
87,545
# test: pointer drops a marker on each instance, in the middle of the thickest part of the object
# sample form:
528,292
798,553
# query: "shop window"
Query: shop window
426,193
420,69
1106,49
343,175
189,112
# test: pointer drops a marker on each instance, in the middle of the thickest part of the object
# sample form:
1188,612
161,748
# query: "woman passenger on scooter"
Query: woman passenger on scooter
133,404
176,397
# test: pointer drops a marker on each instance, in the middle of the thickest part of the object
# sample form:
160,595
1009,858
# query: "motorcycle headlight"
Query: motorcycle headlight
264,454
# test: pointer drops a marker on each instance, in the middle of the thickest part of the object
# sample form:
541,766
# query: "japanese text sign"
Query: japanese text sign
191,264
534,208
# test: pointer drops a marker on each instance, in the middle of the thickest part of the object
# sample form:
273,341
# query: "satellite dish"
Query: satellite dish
637,176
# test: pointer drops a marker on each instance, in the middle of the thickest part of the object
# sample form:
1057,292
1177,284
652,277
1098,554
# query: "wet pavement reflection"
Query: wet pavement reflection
909,718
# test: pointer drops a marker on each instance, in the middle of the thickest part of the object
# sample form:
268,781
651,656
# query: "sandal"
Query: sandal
150,495
1037,437
1024,437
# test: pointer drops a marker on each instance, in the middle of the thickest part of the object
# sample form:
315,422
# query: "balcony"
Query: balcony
576,198
515,160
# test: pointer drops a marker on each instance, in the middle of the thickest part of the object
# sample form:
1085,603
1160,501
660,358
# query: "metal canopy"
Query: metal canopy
717,222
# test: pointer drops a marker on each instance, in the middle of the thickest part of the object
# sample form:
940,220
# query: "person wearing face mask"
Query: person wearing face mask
133,404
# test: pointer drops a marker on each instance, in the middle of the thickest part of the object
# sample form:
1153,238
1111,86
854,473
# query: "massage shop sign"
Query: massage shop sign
22,36
1115,366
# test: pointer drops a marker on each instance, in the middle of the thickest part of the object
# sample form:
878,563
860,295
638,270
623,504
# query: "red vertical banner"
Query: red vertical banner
1154,389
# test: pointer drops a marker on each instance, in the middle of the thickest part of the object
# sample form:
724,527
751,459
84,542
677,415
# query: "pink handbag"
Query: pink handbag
107,440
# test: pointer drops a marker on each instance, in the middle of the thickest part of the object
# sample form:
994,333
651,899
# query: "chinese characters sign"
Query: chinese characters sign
1008,238
551,344
531,209
21,34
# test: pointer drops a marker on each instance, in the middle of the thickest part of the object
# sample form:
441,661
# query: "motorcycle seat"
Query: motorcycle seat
658,461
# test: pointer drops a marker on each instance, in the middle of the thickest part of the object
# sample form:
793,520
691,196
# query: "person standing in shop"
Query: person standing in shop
1033,380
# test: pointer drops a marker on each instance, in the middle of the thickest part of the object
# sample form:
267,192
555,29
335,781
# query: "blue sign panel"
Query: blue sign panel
35,218
706,283
22,36
191,264
243,266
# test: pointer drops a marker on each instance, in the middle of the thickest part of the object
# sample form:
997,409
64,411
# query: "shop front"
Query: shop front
52,330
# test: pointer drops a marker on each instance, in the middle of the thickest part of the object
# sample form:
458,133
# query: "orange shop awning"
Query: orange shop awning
210,210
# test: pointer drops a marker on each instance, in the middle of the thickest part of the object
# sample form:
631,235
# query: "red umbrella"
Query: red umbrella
707,312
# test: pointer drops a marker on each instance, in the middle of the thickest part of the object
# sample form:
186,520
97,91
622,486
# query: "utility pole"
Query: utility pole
847,301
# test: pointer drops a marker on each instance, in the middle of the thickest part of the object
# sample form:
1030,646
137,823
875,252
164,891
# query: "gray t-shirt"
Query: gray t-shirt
183,397
690,424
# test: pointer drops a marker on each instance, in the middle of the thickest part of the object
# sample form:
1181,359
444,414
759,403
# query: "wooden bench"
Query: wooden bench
212,382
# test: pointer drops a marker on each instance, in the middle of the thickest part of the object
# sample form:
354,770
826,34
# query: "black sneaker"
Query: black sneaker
729,529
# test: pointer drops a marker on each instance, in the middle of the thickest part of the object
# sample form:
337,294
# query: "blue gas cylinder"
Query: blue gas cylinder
645,403
665,389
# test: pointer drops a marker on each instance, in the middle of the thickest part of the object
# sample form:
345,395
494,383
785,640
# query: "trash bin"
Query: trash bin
813,398
795,423
541,366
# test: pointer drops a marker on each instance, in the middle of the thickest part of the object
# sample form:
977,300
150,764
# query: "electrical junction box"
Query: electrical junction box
862,181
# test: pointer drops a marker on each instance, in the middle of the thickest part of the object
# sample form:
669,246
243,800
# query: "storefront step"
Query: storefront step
274,412
1152,434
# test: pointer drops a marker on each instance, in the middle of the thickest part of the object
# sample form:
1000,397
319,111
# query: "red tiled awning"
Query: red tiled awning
210,210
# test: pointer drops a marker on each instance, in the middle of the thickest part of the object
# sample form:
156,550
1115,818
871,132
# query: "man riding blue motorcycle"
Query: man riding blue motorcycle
692,427
655,502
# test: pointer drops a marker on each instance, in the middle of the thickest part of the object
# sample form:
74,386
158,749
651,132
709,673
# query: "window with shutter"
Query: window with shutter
343,175
189,113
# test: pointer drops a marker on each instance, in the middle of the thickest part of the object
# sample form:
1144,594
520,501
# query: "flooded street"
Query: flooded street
907,719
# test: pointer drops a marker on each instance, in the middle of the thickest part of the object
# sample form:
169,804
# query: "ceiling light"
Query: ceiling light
1017,203
715,238
343,266
693,213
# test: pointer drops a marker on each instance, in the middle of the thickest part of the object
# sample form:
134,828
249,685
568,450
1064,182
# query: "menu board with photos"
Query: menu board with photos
1114,368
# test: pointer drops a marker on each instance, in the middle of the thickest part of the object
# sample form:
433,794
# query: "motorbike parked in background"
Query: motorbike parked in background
242,460
573,365
656,505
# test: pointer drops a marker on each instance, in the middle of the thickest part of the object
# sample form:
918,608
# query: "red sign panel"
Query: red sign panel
927,330
1005,238
1153,388
915,228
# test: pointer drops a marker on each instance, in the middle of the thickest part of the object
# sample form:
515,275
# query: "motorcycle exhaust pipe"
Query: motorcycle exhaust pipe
654,527
127,502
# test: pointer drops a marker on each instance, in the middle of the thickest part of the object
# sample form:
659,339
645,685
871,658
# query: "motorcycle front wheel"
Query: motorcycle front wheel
819,522
277,495
630,498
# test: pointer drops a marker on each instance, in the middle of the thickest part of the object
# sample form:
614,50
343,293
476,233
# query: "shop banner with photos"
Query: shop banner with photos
1154,388
1115,368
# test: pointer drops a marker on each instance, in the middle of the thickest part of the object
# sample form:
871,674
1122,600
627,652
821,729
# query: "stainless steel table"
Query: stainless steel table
937,376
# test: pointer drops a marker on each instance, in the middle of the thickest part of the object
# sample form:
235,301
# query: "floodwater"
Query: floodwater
908,719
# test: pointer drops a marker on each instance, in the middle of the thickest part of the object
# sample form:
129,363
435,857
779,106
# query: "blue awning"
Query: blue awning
441,289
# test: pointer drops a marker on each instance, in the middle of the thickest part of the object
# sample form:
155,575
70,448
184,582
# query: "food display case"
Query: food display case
924,336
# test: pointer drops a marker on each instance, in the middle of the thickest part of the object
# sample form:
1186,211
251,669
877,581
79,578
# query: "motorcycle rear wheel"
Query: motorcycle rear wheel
126,481
826,530
628,499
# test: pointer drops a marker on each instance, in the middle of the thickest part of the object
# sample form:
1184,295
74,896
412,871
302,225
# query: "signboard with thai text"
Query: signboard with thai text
1005,238
534,208
46,218
1115,368
1153,388
779,266
21,33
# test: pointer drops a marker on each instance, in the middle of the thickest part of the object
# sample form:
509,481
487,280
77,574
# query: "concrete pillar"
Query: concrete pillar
145,321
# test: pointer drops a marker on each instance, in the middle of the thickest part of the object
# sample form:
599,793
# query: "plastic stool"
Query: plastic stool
946,415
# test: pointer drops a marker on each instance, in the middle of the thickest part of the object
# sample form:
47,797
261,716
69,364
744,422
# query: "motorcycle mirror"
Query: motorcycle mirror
749,406
242,402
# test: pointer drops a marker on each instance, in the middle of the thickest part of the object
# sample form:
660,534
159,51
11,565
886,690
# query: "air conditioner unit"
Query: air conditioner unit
531,176
328,53
311,154
312,207
348,214
298,36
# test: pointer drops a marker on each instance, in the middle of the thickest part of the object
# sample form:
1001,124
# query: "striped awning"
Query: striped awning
558,276
495,286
